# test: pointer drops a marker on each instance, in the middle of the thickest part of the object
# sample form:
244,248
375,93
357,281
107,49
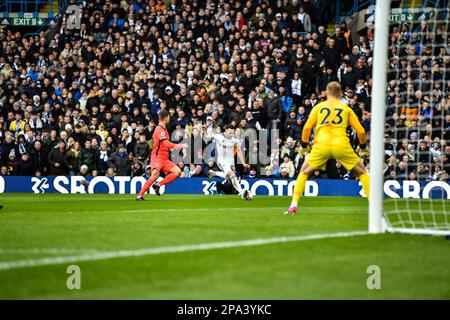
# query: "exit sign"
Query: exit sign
402,17
30,22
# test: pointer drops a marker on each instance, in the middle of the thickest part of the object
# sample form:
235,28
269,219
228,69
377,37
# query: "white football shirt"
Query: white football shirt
225,148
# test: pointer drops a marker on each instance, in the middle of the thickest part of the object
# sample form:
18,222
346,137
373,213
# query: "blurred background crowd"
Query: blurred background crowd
85,102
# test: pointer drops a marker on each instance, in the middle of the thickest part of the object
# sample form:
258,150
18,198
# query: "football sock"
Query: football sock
169,178
146,186
365,181
299,188
219,174
236,184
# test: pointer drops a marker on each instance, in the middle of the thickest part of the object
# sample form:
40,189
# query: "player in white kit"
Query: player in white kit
226,143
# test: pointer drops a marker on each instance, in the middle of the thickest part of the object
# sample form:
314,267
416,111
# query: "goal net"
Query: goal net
416,160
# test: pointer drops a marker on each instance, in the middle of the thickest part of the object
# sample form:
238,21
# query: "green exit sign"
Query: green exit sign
402,17
27,22
30,22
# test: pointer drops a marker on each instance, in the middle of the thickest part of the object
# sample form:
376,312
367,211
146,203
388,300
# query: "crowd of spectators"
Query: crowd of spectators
85,102
418,100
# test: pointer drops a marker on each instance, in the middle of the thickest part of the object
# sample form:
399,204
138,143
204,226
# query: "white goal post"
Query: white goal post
379,76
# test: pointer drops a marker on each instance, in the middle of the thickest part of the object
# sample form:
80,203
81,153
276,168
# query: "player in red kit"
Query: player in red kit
160,157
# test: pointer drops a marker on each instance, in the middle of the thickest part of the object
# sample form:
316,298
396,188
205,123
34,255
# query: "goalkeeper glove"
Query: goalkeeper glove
363,151
306,148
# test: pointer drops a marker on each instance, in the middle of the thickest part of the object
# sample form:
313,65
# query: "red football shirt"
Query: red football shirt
161,143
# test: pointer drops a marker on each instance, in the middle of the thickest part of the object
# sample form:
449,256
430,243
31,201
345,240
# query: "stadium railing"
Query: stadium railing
436,3
357,6
25,6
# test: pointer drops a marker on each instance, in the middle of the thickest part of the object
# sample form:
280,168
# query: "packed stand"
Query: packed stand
85,102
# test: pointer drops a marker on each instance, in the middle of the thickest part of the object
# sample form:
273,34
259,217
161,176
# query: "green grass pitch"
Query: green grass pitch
34,228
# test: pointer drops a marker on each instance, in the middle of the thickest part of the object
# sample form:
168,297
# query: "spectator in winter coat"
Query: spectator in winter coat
142,149
72,158
137,169
336,171
39,158
286,101
24,167
119,161
155,106
87,156
305,19
56,160
288,165
326,78
292,128
274,109
101,158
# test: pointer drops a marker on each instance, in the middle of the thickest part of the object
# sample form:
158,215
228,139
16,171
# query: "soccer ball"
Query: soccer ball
248,196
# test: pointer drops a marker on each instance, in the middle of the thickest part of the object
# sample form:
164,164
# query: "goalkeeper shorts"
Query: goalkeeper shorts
343,153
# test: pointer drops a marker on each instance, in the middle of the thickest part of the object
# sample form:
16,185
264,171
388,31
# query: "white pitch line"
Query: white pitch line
190,209
150,210
46,251
172,249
